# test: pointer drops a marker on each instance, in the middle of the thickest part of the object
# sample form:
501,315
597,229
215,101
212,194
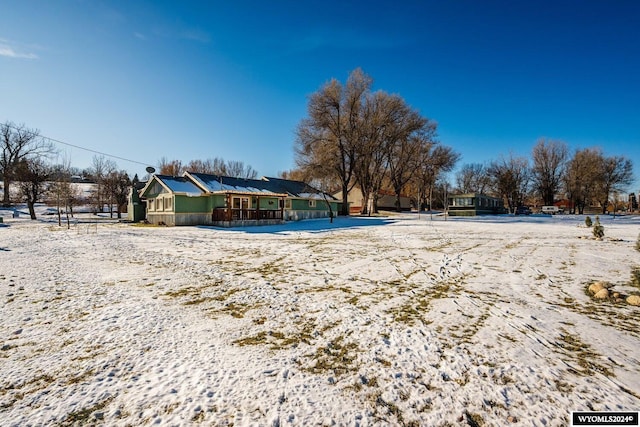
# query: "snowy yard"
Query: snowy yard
383,321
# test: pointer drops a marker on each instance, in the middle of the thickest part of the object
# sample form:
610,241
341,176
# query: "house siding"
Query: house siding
185,204
474,204
300,210
269,203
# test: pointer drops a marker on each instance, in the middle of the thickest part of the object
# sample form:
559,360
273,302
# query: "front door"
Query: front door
240,205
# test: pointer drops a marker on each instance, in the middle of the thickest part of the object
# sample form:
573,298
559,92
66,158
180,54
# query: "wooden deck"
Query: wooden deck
229,214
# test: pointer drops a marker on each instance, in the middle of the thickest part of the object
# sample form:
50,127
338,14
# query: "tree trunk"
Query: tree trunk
5,198
365,202
345,199
32,211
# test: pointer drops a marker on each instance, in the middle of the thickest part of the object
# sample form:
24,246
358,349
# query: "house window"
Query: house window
312,203
168,204
151,204
287,203
159,204
240,203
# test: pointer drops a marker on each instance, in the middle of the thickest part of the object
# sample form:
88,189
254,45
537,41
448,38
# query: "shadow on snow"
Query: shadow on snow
310,225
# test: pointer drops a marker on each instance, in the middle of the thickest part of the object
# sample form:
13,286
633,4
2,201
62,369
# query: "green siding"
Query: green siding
264,203
191,204
303,205
216,201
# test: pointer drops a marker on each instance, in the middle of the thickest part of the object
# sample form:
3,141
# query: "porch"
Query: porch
245,214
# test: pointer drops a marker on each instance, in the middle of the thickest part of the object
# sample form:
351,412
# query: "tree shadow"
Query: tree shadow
309,225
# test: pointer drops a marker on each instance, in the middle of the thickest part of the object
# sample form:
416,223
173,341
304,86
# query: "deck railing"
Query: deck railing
228,214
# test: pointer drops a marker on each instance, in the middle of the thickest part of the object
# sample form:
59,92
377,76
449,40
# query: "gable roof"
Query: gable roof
196,184
298,189
173,184
217,184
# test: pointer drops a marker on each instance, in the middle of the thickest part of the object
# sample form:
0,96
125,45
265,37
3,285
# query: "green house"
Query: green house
472,204
203,199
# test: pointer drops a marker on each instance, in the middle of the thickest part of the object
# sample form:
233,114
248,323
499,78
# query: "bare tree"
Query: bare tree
67,197
215,166
18,143
379,112
170,167
326,140
238,169
510,179
473,178
201,166
549,160
100,169
581,177
433,160
406,139
117,185
293,175
32,175
616,174
61,190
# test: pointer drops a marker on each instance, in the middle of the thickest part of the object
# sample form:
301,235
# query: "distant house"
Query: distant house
472,204
202,199
386,201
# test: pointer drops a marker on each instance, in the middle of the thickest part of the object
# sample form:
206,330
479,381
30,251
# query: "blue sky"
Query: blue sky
192,80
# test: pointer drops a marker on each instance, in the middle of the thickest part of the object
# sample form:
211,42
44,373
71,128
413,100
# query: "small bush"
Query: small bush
598,229
588,222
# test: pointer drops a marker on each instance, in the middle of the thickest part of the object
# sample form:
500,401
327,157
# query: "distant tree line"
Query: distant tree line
585,178
215,166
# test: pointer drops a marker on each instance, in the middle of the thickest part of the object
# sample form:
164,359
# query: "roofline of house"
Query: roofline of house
248,193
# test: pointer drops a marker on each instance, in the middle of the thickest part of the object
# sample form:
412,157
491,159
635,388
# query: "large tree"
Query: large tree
407,138
433,161
510,179
117,186
32,175
549,159
616,174
327,138
18,143
581,177
380,114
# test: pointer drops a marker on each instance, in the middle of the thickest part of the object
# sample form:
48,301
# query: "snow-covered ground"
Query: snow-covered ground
384,321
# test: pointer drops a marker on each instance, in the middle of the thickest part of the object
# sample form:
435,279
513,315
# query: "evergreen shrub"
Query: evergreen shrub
598,229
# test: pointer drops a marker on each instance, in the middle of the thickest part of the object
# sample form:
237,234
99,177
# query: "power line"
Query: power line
82,148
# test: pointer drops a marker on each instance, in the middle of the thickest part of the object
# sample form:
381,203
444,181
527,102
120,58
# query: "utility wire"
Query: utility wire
81,148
